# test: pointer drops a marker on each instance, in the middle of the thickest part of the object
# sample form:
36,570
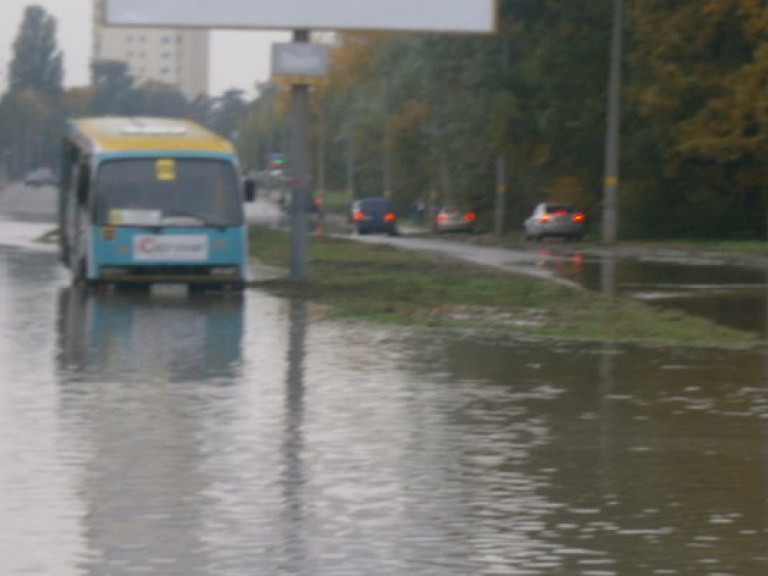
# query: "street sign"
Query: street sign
469,16
299,63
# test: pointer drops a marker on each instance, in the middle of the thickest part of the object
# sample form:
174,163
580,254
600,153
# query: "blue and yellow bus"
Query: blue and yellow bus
151,200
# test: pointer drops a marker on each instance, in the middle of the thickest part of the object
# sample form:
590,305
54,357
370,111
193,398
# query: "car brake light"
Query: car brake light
358,216
442,217
545,218
561,213
389,217
578,217
470,216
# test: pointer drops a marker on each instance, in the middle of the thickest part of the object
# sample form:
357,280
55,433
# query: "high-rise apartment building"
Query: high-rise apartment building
179,57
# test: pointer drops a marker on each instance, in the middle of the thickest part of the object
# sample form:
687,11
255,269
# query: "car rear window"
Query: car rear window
555,208
375,206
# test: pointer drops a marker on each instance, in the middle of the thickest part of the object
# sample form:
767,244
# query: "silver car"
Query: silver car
452,220
555,220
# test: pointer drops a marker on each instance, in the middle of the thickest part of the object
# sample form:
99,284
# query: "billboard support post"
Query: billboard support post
300,181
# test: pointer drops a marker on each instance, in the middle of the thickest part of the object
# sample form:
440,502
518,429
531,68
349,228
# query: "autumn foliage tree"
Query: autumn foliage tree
700,100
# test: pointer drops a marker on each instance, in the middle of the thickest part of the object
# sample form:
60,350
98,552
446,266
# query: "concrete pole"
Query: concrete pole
500,204
386,140
612,139
501,195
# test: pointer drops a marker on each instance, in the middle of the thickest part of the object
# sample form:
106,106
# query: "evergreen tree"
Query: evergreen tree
37,61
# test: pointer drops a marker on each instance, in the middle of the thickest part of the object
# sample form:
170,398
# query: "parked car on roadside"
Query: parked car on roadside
449,219
40,177
551,219
372,215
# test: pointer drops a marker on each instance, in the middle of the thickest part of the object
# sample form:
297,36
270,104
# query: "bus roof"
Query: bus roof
144,134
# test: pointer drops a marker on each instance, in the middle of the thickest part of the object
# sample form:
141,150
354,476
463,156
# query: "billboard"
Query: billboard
468,16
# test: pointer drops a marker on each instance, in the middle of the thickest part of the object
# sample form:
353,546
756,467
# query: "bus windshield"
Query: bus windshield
168,192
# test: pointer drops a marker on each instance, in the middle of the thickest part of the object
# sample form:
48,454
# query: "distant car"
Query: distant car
372,215
555,220
452,220
40,177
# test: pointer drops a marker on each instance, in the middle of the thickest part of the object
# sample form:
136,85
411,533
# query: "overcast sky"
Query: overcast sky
239,59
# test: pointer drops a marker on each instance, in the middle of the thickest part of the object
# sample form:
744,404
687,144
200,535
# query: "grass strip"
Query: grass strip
386,284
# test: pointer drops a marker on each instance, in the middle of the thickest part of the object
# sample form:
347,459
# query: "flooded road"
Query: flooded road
173,436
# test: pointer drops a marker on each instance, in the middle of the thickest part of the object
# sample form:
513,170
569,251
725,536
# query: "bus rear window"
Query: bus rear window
168,192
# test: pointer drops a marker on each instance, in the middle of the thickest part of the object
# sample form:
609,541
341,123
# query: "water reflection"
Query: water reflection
294,478
138,335
568,265
608,275
122,357
728,294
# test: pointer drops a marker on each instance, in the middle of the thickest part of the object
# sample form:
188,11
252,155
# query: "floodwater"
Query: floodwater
173,436
730,294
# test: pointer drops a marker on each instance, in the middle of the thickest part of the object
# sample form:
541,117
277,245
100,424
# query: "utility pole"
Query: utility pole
612,139
386,140
501,194
299,174
500,207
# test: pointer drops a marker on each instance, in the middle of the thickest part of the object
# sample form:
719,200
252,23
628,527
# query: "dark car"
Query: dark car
551,219
373,215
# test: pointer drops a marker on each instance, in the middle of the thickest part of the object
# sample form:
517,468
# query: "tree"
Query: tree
37,62
228,110
29,130
155,98
31,110
112,86
698,97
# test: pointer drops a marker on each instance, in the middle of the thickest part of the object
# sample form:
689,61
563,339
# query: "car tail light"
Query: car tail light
358,215
470,216
442,217
389,217
545,218
578,217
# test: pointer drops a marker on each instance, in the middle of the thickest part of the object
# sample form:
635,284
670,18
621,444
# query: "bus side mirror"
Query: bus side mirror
249,190
83,180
